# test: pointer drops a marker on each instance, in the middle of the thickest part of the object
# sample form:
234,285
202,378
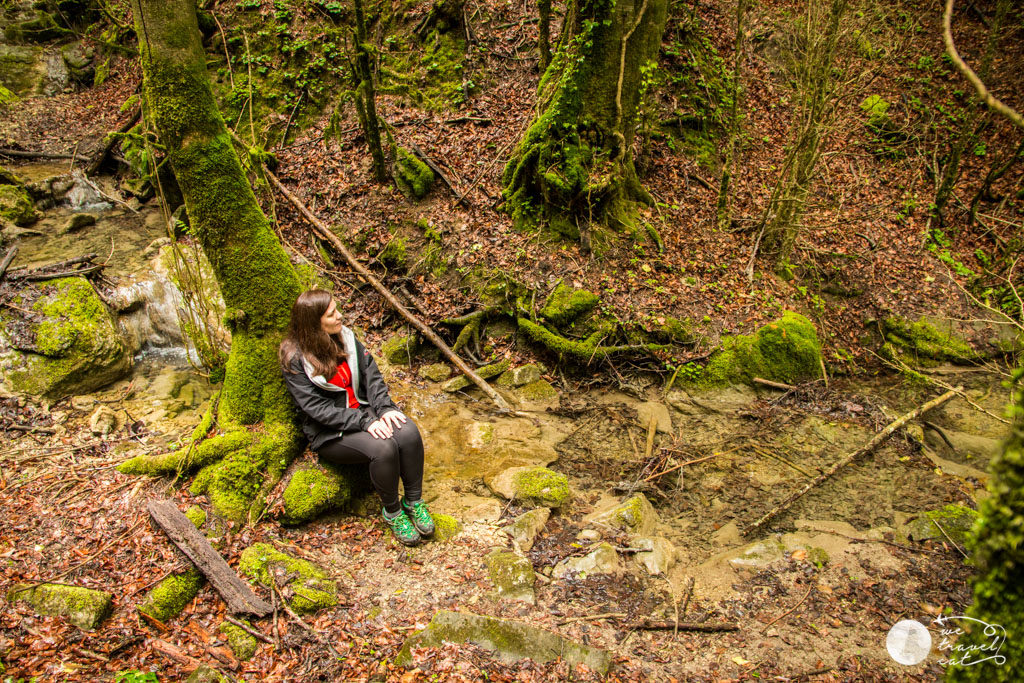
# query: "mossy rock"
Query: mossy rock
313,491
636,515
567,304
398,349
922,343
7,97
168,598
512,575
83,607
435,372
78,221
75,349
446,527
309,586
486,372
9,178
196,515
786,350
956,520
412,176
394,255
16,206
510,641
41,28
517,377
243,645
877,109
541,390
536,486
526,527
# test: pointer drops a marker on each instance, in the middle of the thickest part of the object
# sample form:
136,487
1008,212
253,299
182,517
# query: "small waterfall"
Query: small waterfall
83,195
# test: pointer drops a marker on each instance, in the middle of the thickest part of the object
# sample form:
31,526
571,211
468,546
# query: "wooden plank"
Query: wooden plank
236,593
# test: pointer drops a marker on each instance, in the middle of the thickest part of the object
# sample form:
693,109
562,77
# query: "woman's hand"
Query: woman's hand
394,419
379,429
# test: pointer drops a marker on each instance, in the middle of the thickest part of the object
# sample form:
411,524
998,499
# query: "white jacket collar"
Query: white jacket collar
349,340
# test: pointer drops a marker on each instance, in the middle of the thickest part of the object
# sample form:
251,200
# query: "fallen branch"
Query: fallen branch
113,139
650,625
298,620
684,464
774,385
322,231
249,629
869,447
24,273
593,617
7,261
936,523
175,654
17,153
790,610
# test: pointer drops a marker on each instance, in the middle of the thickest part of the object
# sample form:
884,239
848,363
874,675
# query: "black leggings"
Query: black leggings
391,459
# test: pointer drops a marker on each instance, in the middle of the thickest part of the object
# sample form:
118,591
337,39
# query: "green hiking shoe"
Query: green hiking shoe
420,516
402,527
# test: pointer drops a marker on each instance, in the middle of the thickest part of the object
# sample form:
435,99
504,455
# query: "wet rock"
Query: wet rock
77,222
306,587
659,556
963,445
517,377
479,434
435,372
313,491
658,412
83,607
242,644
538,391
758,555
512,575
603,559
526,527
486,372
16,206
537,486
636,515
70,347
956,520
103,421
721,401
510,641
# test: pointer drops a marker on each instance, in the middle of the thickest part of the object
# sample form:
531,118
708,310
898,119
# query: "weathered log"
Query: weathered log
7,261
183,533
22,154
864,450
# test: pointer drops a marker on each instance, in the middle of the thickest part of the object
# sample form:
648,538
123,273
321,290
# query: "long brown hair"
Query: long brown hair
305,335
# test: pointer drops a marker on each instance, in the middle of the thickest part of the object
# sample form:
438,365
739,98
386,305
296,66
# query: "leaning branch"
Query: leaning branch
864,450
987,97
322,231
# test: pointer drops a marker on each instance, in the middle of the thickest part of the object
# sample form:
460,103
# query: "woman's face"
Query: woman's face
330,321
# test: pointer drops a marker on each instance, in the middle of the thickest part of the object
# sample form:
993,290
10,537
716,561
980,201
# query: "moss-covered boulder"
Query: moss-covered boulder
40,28
435,372
412,176
536,486
526,527
539,391
313,491
169,597
517,377
636,515
196,515
512,575
510,641
83,607
786,350
925,342
566,304
398,349
243,644
955,520
69,346
446,527
486,372
78,221
16,206
306,587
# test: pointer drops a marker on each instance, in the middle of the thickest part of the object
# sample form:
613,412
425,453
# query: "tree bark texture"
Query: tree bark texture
366,97
574,165
544,37
255,276
729,160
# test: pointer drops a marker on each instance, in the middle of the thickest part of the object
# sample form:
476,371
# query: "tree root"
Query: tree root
587,350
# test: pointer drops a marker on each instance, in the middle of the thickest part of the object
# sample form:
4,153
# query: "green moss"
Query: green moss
486,372
925,343
538,390
566,304
394,254
311,588
83,607
242,644
169,597
445,527
412,176
542,487
955,520
429,74
511,574
313,491
398,349
585,351
40,29
877,109
8,178
786,350
16,206
196,515
7,97
436,372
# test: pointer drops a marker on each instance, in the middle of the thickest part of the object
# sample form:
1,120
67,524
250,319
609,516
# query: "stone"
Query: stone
603,559
489,511
77,222
512,575
536,486
649,410
205,673
479,434
435,372
526,527
510,641
659,555
16,206
758,555
83,607
727,535
309,586
103,421
486,372
398,349
243,645
539,390
636,515
956,520
172,594
517,377
313,491
71,347
589,535
82,403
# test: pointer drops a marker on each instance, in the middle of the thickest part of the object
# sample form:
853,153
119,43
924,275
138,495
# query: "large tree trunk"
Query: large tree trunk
574,166
253,271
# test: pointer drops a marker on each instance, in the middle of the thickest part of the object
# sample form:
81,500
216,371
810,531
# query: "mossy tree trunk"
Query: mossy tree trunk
544,36
255,277
574,166
733,123
366,97
817,37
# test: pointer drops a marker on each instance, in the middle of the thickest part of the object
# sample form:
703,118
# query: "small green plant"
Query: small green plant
135,676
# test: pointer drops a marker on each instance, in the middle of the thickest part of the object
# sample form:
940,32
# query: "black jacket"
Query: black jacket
324,407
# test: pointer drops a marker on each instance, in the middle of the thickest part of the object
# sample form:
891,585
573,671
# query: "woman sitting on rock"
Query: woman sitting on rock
348,415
